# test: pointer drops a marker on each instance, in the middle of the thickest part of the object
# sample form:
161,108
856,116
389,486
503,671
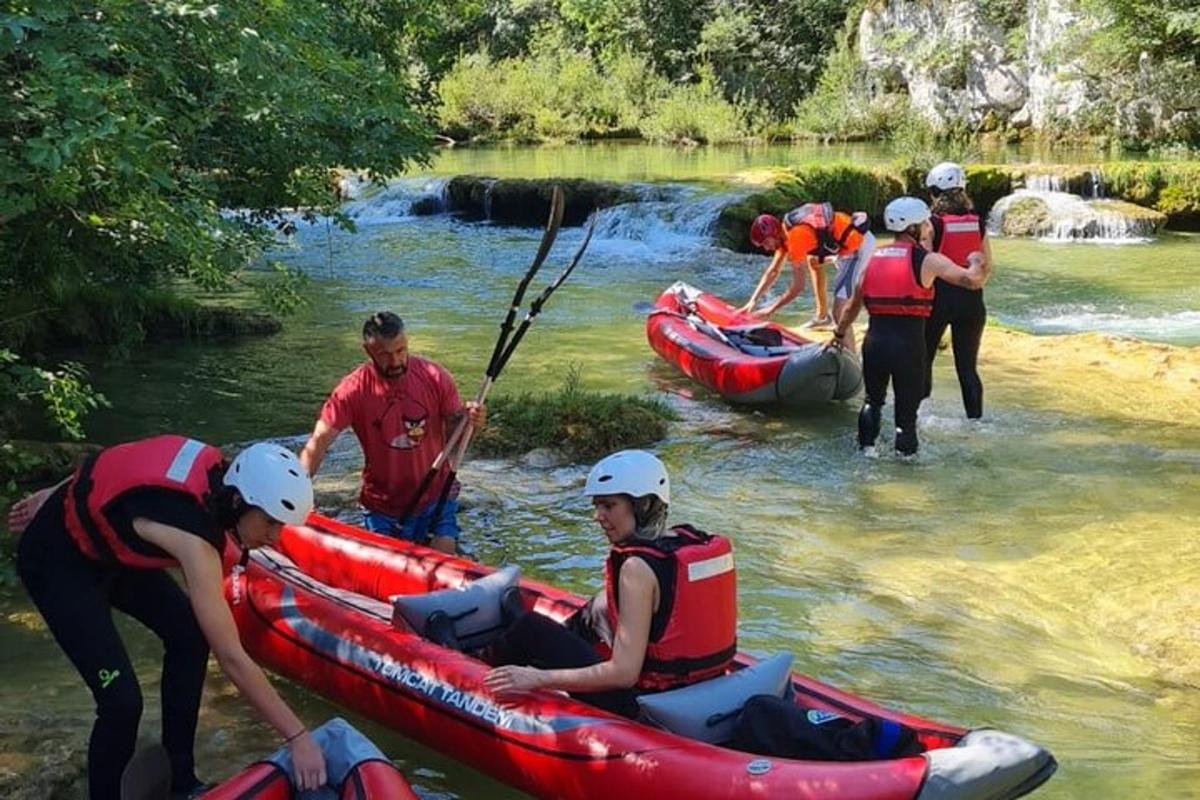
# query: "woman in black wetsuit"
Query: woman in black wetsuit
104,538
957,233
897,289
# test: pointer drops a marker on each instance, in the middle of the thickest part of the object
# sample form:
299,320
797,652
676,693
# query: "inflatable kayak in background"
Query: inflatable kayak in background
341,611
745,359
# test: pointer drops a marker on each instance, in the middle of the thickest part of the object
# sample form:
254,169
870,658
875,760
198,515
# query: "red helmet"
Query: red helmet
765,227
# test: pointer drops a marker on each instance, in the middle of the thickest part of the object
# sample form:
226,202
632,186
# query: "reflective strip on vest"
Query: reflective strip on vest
710,568
184,460
961,227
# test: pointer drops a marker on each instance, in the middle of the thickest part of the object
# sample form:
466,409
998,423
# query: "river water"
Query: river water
1034,572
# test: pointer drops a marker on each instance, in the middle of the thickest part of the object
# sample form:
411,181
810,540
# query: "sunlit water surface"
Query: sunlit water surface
1034,572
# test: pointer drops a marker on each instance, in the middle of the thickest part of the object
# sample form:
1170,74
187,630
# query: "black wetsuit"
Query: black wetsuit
76,595
894,350
963,311
538,641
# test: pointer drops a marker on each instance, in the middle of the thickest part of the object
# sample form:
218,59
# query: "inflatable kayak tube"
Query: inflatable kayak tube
317,610
745,359
356,768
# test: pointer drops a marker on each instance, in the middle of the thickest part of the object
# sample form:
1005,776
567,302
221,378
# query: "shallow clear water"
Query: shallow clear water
1034,572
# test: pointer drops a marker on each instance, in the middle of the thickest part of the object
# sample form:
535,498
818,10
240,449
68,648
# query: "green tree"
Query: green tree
128,125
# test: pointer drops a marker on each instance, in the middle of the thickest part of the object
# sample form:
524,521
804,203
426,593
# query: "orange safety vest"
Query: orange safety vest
693,634
960,237
168,462
826,232
889,287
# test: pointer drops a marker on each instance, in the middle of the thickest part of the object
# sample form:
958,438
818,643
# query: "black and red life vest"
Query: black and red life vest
693,634
889,286
168,462
836,233
960,237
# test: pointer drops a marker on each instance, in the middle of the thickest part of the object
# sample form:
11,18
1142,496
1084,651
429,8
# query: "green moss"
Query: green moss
582,425
1167,186
1028,216
987,184
847,186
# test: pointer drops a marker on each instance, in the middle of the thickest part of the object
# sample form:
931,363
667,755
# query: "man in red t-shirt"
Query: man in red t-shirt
402,409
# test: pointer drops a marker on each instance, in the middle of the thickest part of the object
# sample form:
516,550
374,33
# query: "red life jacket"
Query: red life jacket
960,237
889,287
833,232
693,634
168,462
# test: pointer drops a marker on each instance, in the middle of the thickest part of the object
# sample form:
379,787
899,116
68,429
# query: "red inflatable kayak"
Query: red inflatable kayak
745,359
317,611
357,771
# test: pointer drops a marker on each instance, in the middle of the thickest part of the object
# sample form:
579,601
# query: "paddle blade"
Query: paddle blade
148,775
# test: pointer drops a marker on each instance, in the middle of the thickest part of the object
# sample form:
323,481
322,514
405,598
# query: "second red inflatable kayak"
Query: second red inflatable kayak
745,359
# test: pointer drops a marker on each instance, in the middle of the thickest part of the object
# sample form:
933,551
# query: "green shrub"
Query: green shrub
582,425
694,112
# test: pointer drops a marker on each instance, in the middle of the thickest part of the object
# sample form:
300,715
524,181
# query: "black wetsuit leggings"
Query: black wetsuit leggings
76,596
893,350
962,310
537,641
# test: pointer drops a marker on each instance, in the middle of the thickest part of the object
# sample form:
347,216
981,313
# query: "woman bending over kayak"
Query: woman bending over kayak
667,616
104,538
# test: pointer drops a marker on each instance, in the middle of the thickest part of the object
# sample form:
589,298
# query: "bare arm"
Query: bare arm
202,570
792,292
849,314
317,445
768,278
23,511
937,265
638,589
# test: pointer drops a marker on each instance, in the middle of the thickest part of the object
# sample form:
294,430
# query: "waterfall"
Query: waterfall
406,197
1051,214
665,219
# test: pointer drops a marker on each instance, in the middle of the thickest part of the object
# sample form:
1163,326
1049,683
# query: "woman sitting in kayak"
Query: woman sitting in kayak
667,616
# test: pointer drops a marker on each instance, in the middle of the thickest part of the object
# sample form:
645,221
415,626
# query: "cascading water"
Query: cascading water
405,197
666,219
1046,210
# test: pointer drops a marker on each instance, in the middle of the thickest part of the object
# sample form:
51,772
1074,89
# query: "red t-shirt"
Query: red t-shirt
400,424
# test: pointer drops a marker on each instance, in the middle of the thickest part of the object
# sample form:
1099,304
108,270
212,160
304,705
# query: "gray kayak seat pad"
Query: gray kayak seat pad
707,711
474,607
986,765
344,749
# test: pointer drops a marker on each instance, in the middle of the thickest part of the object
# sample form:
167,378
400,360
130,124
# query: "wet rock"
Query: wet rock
1028,216
43,756
520,201
543,458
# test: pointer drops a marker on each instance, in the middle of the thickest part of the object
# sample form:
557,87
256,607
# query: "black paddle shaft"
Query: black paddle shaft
553,222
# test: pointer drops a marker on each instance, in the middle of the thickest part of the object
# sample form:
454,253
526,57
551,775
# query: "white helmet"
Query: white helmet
632,472
903,212
946,176
272,478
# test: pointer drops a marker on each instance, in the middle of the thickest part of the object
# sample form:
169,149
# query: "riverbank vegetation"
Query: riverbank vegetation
128,131
574,423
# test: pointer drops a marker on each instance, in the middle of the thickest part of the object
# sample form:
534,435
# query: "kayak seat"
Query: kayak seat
707,711
759,340
466,617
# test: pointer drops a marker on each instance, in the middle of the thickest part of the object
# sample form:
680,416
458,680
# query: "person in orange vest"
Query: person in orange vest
104,538
667,616
897,290
808,235
959,234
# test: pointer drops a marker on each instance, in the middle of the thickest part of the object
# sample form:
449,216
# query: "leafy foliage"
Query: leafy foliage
584,425
127,125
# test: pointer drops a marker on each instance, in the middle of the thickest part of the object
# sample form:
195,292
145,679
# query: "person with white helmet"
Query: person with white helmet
104,538
897,290
667,616
961,235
